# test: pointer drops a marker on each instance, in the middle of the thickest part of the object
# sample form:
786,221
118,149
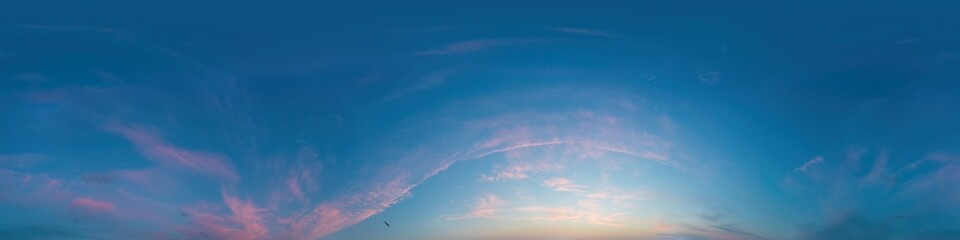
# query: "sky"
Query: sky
479,120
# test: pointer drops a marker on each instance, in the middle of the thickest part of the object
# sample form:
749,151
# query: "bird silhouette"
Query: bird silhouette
385,222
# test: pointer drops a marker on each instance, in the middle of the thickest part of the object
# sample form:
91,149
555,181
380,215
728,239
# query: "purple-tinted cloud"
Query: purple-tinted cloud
156,149
500,134
586,211
244,221
521,169
485,207
99,178
882,187
585,31
88,204
564,185
474,46
617,195
431,80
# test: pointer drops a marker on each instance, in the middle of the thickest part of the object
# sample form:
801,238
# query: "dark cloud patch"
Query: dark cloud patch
717,213
876,195
693,227
712,216
852,228
718,220
99,178
858,226
714,228
730,228
939,234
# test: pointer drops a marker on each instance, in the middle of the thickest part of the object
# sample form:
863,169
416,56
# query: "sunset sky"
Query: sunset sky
247,120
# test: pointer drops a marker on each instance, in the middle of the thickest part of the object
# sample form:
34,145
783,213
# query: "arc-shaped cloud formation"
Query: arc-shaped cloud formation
631,134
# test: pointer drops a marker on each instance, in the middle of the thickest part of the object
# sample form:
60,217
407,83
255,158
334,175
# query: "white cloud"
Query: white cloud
810,163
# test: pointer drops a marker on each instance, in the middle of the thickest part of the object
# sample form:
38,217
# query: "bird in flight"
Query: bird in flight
385,222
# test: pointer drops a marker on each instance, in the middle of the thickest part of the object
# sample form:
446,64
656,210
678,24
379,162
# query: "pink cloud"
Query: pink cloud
648,155
244,222
294,187
486,207
346,210
53,183
333,215
563,185
476,139
588,212
247,216
299,182
91,205
518,171
26,179
156,149
616,195
328,218
550,213
654,156
33,189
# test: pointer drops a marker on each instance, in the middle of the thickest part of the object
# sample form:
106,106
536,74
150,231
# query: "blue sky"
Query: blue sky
479,120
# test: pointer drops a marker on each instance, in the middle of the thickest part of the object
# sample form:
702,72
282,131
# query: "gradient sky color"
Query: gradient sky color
479,120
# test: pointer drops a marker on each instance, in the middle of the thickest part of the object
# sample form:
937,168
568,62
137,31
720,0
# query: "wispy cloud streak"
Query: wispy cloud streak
474,46
471,139
486,207
430,81
564,185
88,204
156,149
585,31
809,164
244,221
587,212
